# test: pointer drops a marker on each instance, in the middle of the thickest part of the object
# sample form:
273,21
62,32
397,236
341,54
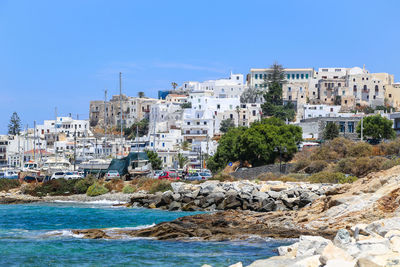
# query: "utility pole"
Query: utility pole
105,120
120,106
75,149
34,141
362,128
137,140
55,133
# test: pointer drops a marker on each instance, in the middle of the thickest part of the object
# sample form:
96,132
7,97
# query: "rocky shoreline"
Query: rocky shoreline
241,195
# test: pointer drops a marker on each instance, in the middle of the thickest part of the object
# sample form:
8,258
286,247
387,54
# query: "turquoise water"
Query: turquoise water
26,240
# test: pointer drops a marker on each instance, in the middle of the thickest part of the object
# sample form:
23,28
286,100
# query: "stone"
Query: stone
311,245
331,252
342,238
383,226
152,206
176,186
176,196
267,205
273,194
307,198
395,243
310,261
238,264
279,188
392,233
280,206
340,263
265,188
290,202
288,250
215,198
373,246
174,206
231,202
273,261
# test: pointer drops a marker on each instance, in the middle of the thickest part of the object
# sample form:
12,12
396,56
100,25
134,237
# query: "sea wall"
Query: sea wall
240,195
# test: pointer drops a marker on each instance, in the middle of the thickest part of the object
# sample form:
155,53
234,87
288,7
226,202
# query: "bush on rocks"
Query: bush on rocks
7,184
57,187
160,186
327,177
316,166
96,189
360,149
82,185
128,189
115,184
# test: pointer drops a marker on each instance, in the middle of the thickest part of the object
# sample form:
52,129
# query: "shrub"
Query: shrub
316,166
348,179
335,149
82,185
361,166
7,184
223,177
301,164
360,149
57,187
115,184
128,189
391,148
160,186
327,177
390,163
96,189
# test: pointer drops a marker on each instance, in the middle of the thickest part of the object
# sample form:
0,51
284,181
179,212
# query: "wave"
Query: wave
100,202
64,233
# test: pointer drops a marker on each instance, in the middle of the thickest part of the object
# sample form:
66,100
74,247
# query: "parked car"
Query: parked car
169,175
57,175
157,173
194,176
205,175
72,175
112,174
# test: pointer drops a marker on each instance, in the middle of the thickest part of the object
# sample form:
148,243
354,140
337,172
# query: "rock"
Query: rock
238,264
311,245
265,188
373,246
267,205
166,198
137,197
290,202
273,194
288,250
231,202
174,206
189,207
176,186
340,263
176,196
91,233
392,233
342,238
331,252
307,198
280,206
215,198
152,206
279,188
310,261
383,226
273,261
395,243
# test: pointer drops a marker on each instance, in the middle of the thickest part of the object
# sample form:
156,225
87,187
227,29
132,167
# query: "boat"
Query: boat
53,164
95,166
10,174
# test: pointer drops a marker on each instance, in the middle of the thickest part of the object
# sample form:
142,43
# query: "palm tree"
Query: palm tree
182,160
141,94
174,85
186,146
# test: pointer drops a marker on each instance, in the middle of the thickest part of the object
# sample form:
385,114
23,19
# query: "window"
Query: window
339,84
289,89
342,126
306,75
254,112
218,106
205,123
256,76
231,116
350,127
345,101
390,95
198,123
256,85
376,89
244,117
188,123
290,97
365,87
292,76
302,76
343,92
288,76
163,144
355,88
297,76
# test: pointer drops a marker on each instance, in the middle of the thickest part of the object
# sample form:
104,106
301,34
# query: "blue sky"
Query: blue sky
65,53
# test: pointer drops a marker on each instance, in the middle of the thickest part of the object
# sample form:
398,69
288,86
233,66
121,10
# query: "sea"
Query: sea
40,234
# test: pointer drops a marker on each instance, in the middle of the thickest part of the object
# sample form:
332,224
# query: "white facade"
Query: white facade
66,125
315,111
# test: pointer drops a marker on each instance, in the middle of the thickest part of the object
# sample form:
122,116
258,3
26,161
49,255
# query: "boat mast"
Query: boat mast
55,132
105,122
34,141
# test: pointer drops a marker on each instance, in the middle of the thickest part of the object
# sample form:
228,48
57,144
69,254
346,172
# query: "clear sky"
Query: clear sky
65,53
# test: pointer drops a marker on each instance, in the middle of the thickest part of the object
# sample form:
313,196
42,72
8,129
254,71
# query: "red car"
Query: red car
169,175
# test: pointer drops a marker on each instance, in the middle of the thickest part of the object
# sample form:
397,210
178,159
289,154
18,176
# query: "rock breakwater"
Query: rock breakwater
241,195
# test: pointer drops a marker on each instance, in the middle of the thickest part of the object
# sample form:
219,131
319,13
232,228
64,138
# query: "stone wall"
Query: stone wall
252,173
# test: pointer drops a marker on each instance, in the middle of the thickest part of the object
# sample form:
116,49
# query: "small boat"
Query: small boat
9,174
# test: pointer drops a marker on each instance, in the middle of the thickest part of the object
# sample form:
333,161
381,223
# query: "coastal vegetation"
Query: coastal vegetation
262,143
128,189
141,128
226,125
377,127
96,189
7,184
331,131
155,161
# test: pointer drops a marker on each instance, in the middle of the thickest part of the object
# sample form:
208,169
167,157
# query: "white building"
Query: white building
315,111
65,125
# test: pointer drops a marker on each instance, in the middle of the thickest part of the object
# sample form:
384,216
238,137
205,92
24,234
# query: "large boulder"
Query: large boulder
231,201
174,206
331,252
383,226
342,238
311,245
306,198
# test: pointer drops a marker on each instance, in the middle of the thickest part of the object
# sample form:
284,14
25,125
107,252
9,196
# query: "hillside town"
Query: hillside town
184,124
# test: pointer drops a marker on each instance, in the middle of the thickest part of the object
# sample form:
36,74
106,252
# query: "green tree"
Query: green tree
155,161
250,95
140,94
226,125
186,146
182,160
273,105
14,127
331,131
376,127
174,85
142,128
256,144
